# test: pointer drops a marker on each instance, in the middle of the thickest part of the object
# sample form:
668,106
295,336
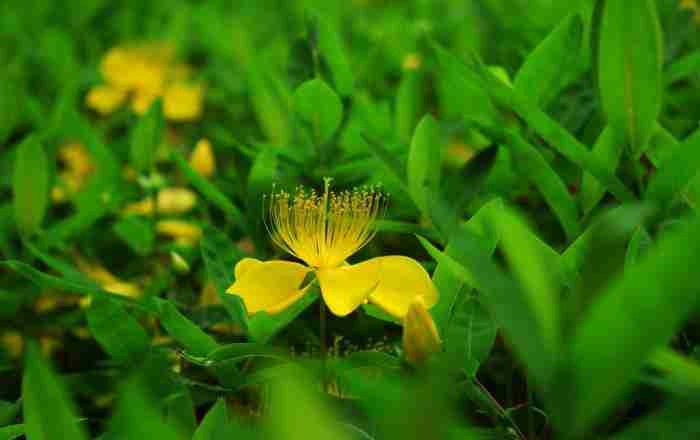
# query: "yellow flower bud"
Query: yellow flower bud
202,158
420,335
179,263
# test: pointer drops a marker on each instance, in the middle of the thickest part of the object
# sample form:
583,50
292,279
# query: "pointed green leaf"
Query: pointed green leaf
121,336
30,185
629,69
184,331
146,137
48,411
423,165
212,423
320,107
331,47
608,149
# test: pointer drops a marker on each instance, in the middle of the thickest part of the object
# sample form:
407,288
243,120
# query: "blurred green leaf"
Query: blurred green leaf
641,241
184,331
608,149
117,331
423,165
682,371
553,64
213,422
137,233
682,68
607,349
146,137
30,185
11,432
629,70
409,103
47,409
180,412
220,257
676,419
9,411
320,107
10,98
533,166
331,49
470,334
676,171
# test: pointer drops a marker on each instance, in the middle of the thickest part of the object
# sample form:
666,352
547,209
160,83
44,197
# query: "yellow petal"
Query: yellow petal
345,288
244,265
270,286
105,99
420,334
183,102
401,280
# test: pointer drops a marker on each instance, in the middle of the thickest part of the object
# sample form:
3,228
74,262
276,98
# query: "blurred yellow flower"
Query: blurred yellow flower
420,335
77,167
412,61
323,230
202,158
171,201
12,343
183,102
184,233
143,73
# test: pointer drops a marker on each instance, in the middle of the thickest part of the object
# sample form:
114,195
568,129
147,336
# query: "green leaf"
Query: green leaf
212,423
9,99
117,331
67,284
682,68
320,107
409,103
470,334
11,432
184,331
608,149
137,233
9,411
331,47
263,327
682,371
607,350
676,171
629,70
47,409
423,165
180,412
210,192
450,285
534,167
220,257
676,419
641,241
550,130
146,137
515,311
553,64
30,185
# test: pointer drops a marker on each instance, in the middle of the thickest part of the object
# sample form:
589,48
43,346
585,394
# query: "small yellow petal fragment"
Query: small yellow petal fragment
105,99
183,232
171,201
270,286
142,101
345,288
183,102
202,158
401,280
420,335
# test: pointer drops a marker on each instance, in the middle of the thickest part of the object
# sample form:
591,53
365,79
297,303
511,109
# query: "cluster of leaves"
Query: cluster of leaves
561,245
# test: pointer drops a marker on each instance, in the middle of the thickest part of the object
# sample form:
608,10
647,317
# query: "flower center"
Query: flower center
324,229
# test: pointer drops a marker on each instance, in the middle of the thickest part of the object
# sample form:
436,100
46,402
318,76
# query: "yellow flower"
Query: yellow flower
420,335
323,230
202,158
171,201
105,99
182,102
78,167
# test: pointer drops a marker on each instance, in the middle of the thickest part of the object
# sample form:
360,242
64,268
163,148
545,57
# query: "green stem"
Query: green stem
323,338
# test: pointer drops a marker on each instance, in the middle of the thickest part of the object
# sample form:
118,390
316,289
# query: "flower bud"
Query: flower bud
420,335
202,158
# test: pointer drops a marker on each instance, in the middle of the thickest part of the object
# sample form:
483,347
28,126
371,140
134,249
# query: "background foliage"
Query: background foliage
541,159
